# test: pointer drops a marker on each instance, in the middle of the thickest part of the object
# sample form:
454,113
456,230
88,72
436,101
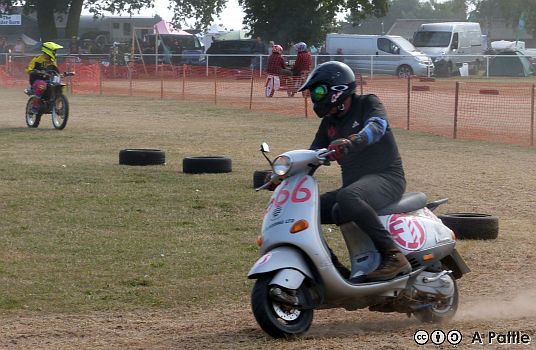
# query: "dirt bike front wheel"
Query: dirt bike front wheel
32,119
60,112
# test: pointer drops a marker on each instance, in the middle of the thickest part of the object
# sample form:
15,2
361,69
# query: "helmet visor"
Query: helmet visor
319,93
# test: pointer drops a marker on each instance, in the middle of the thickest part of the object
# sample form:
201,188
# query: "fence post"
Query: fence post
183,80
409,101
161,88
305,103
251,89
129,84
215,85
456,97
532,115
361,82
487,66
100,79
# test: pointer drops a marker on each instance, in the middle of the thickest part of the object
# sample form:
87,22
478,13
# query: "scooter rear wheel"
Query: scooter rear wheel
275,318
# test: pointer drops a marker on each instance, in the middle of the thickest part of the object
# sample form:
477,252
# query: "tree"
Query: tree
509,10
409,9
47,9
282,20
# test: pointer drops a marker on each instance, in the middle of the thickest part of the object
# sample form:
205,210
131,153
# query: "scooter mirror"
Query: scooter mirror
264,147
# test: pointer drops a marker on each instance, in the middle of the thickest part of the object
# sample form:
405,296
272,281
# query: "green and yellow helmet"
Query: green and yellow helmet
50,48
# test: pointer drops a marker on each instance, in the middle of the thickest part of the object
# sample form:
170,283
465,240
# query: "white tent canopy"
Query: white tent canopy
164,27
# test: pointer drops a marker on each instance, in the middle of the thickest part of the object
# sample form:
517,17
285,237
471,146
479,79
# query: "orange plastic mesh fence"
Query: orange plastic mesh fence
501,112
432,106
490,110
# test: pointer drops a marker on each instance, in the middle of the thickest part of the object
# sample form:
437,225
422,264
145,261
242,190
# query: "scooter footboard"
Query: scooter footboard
282,258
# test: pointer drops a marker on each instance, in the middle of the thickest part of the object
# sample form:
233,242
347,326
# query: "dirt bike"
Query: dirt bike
52,101
295,274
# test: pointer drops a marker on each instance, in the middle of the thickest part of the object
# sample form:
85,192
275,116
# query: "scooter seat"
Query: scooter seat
410,201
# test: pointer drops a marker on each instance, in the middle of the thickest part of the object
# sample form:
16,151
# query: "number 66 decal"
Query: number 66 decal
299,195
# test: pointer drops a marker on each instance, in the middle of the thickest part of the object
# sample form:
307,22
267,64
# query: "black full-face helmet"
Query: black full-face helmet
329,85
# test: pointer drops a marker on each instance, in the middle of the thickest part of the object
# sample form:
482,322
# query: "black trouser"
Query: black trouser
359,201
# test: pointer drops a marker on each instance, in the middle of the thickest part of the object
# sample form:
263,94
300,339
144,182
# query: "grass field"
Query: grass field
81,234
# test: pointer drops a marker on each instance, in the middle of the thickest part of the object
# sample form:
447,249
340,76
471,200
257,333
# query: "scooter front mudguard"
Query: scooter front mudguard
280,258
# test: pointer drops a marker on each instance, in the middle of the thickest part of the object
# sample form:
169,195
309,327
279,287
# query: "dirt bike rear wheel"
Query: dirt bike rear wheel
32,119
275,318
60,112
440,312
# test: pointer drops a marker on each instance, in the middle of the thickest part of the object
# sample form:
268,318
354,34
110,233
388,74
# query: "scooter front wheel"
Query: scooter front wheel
275,318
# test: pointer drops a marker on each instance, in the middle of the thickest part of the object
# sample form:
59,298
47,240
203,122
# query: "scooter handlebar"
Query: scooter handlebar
323,156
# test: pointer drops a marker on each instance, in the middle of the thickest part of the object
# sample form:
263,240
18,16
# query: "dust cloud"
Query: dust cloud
513,307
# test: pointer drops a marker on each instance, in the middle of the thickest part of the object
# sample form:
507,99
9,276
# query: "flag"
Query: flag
520,26
472,16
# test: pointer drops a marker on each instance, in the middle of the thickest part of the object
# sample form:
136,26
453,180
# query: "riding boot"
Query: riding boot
393,264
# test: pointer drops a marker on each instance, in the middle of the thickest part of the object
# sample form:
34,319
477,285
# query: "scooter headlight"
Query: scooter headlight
281,165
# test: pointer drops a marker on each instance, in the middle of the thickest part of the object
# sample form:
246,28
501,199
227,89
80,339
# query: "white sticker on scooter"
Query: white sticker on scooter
407,231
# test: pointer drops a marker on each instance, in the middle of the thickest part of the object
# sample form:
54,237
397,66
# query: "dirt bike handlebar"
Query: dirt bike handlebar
49,73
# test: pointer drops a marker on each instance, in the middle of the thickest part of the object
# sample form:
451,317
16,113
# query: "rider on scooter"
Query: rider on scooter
46,61
355,127
276,62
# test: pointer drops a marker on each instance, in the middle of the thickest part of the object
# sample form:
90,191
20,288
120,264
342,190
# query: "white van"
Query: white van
450,44
379,54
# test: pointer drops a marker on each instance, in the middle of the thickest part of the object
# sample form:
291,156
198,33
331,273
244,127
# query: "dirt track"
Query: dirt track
498,295
234,327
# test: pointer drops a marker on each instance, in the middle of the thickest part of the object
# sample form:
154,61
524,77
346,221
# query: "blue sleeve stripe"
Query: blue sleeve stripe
370,137
375,129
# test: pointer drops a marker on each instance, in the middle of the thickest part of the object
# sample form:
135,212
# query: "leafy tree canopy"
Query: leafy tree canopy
510,10
47,9
283,21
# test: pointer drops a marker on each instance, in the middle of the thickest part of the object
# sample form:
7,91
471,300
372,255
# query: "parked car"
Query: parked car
238,53
387,54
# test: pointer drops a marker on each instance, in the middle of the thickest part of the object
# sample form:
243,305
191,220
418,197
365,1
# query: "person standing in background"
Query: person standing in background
19,47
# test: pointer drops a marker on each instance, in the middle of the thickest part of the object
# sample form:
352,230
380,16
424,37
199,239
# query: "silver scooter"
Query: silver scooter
295,273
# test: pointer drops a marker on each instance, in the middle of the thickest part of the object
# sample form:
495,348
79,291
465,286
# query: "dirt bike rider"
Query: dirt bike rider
46,61
356,128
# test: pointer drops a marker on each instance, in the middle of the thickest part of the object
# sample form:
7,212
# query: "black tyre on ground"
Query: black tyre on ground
142,157
260,177
472,225
60,112
440,312
32,119
208,164
276,319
